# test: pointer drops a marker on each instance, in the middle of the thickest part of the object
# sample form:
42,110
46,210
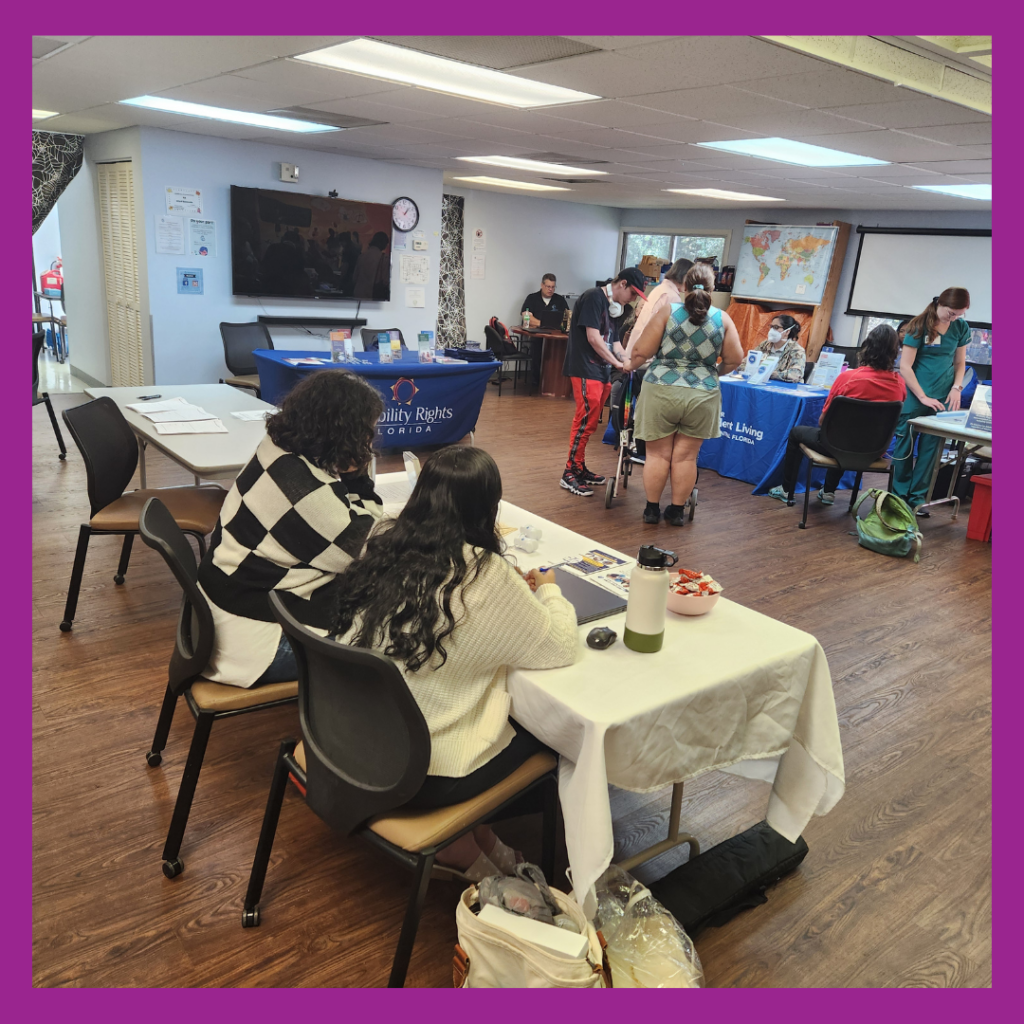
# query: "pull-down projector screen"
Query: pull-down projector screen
899,270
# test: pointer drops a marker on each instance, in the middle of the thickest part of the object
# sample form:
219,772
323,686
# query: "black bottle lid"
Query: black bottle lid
651,557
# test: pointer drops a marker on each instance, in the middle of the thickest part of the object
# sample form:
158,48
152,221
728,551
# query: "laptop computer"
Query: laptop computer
552,318
590,601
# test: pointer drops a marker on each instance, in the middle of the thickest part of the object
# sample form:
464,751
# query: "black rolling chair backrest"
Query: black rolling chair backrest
858,432
367,742
108,448
808,370
369,336
239,341
38,341
194,641
494,341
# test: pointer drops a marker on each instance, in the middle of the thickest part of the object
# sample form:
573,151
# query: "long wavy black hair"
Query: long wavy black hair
880,348
330,418
401,590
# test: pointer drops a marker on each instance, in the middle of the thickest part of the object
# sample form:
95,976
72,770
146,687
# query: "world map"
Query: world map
784,263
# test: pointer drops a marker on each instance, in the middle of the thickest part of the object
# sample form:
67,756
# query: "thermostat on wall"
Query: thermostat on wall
419,244
289,172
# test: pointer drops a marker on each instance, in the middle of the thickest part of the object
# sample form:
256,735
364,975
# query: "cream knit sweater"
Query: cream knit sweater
500,624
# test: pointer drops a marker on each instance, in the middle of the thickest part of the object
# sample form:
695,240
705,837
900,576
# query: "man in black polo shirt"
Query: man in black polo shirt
592,351
545,301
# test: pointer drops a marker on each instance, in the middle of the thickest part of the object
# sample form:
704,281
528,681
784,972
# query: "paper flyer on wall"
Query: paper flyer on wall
764,371
202,237
170,235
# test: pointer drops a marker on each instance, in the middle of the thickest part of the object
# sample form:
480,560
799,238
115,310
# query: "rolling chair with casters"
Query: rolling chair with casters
370,340
364,752
41,397
193,644
858,434
239,341
111,453
507,352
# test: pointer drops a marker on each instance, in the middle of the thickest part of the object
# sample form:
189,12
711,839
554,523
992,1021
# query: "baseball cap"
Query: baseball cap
634,278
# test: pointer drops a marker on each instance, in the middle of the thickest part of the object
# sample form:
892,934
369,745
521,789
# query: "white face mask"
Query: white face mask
774,335
614,308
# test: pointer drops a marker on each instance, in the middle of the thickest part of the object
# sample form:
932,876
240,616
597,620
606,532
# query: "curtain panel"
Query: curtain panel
56,159
451,299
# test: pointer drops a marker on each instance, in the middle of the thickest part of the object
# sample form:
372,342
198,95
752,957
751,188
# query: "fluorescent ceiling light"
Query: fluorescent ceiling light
42,115
786,151
719,193
483,179
963,191
281,124
411,67
528,165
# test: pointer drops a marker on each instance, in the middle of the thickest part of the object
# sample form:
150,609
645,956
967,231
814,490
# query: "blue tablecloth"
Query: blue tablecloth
424,403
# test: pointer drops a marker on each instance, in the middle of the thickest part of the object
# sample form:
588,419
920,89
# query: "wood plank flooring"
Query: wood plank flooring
896,889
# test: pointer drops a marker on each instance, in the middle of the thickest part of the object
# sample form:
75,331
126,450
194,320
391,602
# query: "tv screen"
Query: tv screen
284,244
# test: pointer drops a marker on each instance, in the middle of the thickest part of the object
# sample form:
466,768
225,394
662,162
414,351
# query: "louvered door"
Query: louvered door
121,271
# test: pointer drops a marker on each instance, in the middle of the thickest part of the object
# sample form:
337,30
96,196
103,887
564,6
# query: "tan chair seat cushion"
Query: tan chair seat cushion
193,508
878,466
221,697
244,380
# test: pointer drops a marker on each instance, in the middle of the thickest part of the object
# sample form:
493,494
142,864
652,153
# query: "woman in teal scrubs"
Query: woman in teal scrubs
933,363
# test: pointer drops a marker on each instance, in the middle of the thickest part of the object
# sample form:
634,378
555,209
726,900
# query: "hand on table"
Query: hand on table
935,404
953,399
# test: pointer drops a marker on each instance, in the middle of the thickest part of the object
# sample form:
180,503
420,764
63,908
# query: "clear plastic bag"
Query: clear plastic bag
647,947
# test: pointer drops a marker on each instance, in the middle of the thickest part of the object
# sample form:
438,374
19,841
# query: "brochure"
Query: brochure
307,361
826,369
979,417
593,561
396,346
764,371
753,361
425,342
341,345
384,346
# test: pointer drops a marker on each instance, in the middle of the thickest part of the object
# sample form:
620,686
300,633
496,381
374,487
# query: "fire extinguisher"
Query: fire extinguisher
52,281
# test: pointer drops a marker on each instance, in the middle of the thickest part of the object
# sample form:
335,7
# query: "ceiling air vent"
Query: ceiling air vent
576,181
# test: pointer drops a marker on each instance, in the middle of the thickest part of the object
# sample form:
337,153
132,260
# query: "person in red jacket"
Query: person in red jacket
875,380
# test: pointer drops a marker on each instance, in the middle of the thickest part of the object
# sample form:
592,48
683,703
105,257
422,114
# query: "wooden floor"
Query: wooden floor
896,889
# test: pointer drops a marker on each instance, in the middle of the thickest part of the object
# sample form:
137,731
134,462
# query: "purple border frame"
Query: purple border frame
465,18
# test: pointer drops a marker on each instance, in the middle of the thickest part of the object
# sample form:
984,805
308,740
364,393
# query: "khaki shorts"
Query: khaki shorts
666,409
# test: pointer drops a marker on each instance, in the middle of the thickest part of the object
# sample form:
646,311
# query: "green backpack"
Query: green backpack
890,527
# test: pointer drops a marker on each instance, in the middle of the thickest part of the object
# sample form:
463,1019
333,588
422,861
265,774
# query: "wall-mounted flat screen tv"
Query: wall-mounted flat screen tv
288,245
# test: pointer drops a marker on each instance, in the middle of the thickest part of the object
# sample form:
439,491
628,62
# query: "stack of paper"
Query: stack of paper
211,426
176,416
253,414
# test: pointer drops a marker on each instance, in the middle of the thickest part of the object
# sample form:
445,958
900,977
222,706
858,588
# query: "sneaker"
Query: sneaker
572,483
593,479
826,497
675,515
778,492
652,513
923,514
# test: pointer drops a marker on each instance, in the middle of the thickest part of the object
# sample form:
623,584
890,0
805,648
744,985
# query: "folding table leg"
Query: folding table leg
675,837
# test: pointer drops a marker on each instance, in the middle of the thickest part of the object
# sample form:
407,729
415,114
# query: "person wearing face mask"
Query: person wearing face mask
933,363
593,350
782,342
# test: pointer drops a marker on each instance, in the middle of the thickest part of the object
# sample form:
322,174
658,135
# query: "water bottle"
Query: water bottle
648,596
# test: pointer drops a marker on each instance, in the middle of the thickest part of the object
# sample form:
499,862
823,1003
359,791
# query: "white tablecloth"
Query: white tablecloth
731,689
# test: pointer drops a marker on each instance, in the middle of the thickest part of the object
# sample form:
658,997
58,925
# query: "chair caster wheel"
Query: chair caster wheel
801,526
62,457
251,918
153,758
173,868
609,491
65,626
119,580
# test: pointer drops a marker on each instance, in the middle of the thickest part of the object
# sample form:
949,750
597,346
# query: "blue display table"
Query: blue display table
424,403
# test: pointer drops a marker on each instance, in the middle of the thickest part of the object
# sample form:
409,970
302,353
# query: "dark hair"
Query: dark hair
549,277
952,298
330,418
788,325
677,272
879,348
380,241
900,326
402,588
698,300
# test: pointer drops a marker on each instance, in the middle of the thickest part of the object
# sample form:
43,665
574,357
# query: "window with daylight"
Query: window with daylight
672,246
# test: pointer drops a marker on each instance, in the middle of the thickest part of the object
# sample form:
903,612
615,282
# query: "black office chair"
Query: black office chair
858,433
239,341
370,339
507,352
111,453
207,701
41,397
808,370
364,752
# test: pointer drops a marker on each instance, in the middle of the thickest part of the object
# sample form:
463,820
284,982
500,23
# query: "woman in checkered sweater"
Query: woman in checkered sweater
295,517
434,593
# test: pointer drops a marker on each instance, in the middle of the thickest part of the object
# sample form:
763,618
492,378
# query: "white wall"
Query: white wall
84,284
844,327
527,238
187,344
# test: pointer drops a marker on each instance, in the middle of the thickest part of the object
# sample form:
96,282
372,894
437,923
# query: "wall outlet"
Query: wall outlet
419,244
289,172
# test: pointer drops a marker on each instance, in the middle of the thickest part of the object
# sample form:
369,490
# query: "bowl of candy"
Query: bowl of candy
692,592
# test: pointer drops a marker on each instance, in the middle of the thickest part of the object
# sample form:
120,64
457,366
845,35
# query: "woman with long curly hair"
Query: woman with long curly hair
295,517
434,592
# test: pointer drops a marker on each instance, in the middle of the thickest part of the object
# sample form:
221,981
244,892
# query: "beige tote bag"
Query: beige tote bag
489,957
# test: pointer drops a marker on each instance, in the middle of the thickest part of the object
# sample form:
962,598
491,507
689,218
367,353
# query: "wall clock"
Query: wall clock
405,214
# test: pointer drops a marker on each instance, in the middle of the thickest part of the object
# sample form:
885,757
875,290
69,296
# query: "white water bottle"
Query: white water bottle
648,596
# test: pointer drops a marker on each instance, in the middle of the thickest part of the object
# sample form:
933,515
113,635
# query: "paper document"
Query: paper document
195,427
182,415
253,414
764,371
307,361
593,561
168,403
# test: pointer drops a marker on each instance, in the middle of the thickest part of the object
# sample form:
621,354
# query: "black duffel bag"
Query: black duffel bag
733,876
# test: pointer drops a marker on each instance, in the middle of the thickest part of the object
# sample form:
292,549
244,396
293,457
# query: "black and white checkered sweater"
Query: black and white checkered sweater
287,526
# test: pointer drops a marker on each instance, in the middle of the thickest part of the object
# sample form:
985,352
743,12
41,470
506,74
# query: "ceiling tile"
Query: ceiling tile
603,73
955,134
498,52
598,136
883,145
466,129
913,112
689,131
239,93
828,87
617,42
796,122
611,114
330,84
968,167
714,104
